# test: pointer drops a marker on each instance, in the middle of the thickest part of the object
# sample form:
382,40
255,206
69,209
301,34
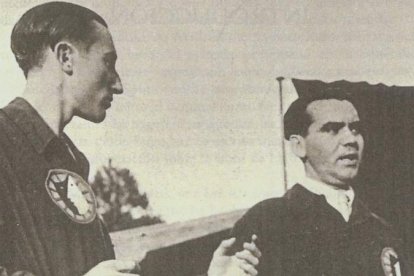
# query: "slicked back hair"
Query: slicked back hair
297,120
46,25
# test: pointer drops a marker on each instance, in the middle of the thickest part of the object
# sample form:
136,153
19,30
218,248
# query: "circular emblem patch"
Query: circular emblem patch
72,194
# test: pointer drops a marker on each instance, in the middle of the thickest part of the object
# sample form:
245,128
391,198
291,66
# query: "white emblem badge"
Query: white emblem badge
72,194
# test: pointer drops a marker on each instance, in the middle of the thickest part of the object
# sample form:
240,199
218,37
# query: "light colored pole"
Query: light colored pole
285,182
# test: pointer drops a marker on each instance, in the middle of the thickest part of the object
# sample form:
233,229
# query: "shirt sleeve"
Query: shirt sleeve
262,220
5,248
244,228
8,262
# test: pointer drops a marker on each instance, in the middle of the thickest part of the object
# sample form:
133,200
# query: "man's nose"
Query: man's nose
350,137
117,85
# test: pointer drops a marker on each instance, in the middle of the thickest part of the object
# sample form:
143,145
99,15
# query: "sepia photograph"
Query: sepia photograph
206,137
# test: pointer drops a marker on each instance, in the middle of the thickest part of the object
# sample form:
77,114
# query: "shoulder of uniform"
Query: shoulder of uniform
265,210
3,116
5,120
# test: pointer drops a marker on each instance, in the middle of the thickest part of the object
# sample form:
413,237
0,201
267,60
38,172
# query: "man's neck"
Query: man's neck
335,183
46,97
336,186
319,182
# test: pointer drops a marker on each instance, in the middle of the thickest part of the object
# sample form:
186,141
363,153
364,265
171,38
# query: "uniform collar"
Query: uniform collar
331,193
339,199
302,202
31,123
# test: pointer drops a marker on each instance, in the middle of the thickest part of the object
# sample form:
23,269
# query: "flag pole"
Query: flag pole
280,80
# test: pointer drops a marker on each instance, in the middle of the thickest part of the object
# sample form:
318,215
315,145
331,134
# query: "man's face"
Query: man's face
334,144
96,79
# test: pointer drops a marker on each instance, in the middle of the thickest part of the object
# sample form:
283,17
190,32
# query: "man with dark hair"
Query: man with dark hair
320,226
297,120
46,25
48,220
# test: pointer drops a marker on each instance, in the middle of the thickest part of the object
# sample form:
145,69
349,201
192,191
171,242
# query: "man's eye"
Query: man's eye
356,128
110,64
332,128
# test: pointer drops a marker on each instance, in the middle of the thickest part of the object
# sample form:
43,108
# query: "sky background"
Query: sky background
198,123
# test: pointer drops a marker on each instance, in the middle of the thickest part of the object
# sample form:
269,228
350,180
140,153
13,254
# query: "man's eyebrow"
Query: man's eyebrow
356,123
328,126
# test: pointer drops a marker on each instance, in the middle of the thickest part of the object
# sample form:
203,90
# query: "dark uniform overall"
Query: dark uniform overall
48,221
301,234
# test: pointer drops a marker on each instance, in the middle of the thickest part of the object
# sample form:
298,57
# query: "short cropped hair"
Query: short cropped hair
46,25
297,119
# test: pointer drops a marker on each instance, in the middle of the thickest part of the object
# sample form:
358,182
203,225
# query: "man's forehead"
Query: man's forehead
100,41
103,38
332,110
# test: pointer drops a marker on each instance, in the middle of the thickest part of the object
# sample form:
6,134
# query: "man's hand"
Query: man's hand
387,254
113,268
249,257
242,263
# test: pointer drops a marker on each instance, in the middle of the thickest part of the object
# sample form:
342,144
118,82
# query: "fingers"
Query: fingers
254,237
251,252
244,260
119,265
386,255
225,246
247,268
248,257
387,270
251,247
386,261
393,253
125,266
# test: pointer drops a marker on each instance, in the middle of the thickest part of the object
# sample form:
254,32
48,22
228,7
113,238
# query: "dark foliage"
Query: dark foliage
120,202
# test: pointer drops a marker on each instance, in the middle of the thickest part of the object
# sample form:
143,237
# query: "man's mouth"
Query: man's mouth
351,159
107,102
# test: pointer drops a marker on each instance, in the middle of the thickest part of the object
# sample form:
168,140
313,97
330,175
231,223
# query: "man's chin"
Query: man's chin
347,178
95,118
99,119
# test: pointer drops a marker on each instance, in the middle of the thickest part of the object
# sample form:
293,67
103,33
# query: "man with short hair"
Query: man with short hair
48,220
320,226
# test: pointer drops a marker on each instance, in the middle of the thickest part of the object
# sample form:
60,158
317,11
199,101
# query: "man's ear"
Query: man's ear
298,145
64,53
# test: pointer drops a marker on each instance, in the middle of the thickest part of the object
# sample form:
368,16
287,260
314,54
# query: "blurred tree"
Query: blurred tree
120,203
